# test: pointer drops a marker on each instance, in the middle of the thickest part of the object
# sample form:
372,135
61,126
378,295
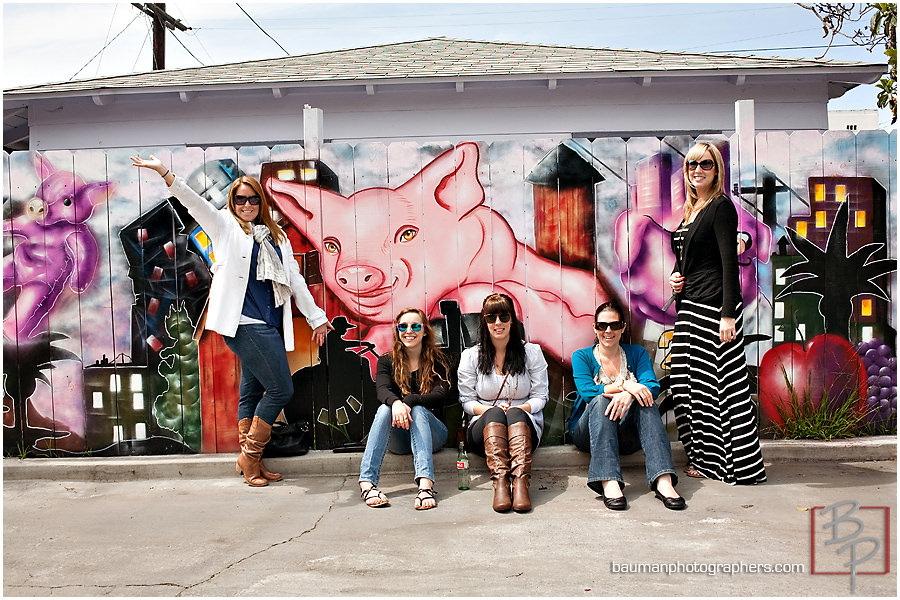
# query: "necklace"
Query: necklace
602,377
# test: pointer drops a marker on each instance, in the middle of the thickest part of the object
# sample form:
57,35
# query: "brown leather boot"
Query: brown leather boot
251,452
243,428
520,465
496,452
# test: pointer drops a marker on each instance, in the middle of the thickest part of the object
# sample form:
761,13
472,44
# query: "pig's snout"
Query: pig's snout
360,278
35,209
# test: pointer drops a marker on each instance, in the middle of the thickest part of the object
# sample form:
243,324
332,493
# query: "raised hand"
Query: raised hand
152,163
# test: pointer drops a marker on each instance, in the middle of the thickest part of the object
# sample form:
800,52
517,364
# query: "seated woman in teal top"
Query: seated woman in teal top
616,392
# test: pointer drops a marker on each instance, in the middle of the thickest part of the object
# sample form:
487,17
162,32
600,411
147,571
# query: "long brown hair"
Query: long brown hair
431,356
692,202
514,358
265,213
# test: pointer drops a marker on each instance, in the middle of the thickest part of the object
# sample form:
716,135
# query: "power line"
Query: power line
103,48
141,49
286,53
108,30
341,21
783,48
186,49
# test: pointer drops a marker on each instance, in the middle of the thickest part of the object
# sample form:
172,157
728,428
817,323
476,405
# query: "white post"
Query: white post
313,131
745,127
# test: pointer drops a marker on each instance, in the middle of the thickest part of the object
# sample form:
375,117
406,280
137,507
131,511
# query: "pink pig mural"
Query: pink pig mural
433,239
54,247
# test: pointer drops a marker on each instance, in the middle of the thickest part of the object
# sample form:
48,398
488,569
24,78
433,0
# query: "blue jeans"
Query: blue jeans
426,434
266,385
596,434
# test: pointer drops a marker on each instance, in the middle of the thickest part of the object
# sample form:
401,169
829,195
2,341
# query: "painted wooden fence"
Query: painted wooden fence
105,278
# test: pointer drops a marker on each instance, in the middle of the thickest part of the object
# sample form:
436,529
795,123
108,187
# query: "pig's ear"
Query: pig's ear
98,192
453,177
42,166
284,194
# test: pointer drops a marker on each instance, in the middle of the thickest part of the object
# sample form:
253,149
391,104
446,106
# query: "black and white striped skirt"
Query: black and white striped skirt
713,412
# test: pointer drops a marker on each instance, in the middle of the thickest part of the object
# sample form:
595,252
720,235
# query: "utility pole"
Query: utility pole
161,21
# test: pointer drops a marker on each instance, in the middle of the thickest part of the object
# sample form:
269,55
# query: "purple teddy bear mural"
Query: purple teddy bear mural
53,247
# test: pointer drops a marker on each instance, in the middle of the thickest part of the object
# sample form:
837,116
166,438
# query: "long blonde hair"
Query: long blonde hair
431,356
692,202
265,213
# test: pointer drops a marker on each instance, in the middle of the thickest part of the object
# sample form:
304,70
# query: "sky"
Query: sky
45,42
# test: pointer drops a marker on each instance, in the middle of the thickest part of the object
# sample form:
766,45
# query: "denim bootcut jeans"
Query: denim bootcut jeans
266,385
596,434
426,434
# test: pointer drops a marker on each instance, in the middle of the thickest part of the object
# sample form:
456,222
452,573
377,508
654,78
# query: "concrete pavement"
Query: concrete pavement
136,529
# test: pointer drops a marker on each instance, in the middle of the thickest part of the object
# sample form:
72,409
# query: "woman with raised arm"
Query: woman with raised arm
713,411
413,384
255,276
503,388
615,405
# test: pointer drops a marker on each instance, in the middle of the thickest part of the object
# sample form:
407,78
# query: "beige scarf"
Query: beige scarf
269,266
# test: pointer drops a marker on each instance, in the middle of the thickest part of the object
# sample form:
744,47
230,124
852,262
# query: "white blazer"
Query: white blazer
232,248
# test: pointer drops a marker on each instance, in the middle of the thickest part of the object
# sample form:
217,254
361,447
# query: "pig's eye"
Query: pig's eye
67,201
407,234
332,246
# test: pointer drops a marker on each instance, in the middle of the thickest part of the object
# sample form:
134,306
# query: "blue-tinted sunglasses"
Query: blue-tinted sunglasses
402,327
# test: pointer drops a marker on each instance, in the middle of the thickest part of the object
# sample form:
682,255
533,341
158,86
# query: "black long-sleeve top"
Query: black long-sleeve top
709,261
388,391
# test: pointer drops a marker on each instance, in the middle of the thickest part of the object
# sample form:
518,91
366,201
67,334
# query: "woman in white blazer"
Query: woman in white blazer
255,276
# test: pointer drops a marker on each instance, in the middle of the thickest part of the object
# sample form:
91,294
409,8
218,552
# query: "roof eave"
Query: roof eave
858,75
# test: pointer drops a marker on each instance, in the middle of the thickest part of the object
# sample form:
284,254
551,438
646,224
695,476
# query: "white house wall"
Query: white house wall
429,111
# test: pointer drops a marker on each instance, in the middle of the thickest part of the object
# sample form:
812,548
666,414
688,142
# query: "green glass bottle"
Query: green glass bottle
462,467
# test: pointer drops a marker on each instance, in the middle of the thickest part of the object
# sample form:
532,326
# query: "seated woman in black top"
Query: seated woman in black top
411,382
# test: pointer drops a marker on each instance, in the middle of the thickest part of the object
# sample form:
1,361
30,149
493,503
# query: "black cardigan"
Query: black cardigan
709,265
388,391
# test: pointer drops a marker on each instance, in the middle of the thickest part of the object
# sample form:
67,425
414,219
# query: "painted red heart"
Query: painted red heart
829,364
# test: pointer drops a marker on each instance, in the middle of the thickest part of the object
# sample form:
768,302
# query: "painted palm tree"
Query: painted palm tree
835,276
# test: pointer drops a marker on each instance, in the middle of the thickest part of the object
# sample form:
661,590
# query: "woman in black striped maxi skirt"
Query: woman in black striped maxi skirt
713,411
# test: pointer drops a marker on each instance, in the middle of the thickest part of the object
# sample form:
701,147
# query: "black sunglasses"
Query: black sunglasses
402,327
241,200
705,164
492,318
614,325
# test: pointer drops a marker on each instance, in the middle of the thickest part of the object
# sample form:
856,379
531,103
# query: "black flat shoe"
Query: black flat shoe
671,503
619,503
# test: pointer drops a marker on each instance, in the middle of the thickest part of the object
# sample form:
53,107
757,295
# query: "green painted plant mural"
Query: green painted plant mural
178,407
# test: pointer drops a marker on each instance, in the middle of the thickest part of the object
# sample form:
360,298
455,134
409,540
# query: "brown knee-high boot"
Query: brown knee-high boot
243,428
520,463
251,452
496,453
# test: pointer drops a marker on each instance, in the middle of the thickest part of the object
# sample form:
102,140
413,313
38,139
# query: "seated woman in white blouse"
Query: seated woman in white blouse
503,388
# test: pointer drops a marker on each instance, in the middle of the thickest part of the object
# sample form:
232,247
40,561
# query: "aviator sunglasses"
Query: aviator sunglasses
241,200
492,318
705,164
402,327
614,325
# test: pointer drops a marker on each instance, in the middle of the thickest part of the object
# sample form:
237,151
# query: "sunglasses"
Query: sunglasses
614,325
492,318
241,200
705,164
402,327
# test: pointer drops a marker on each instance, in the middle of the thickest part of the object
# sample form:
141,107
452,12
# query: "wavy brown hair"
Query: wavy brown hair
514,358
692,202
265,212
431,356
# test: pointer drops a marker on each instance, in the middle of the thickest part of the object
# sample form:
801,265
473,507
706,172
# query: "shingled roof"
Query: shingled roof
439,58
